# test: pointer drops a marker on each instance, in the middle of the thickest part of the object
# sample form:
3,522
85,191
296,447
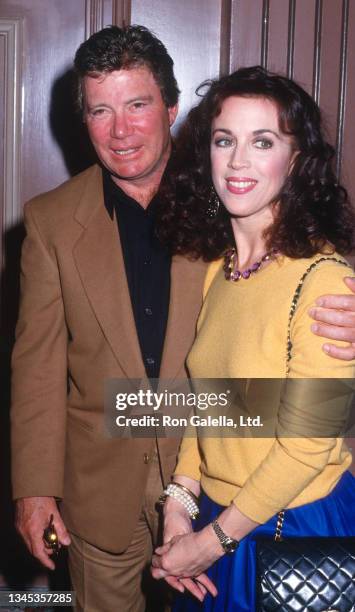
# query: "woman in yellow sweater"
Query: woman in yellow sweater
277,214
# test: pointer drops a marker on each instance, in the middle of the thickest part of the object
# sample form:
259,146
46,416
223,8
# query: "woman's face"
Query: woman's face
250,157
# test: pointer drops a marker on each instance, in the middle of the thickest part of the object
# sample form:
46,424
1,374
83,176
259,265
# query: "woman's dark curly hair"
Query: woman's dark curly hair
314,210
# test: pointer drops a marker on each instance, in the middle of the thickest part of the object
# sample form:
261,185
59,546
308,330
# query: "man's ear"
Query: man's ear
172,112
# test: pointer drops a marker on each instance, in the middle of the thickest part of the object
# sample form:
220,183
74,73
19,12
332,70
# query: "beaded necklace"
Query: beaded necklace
233,274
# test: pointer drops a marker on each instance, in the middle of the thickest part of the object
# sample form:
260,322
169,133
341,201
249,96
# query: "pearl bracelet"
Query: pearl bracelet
184,496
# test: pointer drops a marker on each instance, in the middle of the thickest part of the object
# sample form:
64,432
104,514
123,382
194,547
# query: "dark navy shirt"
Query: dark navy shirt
147,265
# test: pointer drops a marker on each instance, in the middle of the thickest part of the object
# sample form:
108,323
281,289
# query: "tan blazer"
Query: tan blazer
76,329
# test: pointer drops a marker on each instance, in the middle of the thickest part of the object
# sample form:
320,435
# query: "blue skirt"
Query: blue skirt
234,575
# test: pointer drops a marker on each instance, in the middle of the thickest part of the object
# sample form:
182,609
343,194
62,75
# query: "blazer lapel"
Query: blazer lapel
99,260
187,280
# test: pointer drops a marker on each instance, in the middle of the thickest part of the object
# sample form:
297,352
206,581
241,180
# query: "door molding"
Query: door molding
11,30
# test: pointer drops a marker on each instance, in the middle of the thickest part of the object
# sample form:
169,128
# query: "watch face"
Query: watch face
231,546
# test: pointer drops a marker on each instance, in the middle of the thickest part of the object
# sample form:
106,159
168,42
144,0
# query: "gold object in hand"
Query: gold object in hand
50,536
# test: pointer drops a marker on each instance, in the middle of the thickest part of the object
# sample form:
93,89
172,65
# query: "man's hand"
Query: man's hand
32,517
336,320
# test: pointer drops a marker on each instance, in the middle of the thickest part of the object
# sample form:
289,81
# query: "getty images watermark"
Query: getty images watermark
226,407
172,400
168,408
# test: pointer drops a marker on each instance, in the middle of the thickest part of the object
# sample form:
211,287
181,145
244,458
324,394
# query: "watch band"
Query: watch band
228,544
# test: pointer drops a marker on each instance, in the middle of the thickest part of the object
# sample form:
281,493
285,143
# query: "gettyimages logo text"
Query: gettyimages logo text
154,401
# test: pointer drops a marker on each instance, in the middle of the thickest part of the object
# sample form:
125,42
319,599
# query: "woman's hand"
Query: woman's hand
198,583
177,523
187,557
176,520
191,554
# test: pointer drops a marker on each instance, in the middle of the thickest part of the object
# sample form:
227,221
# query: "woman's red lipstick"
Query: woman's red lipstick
240,185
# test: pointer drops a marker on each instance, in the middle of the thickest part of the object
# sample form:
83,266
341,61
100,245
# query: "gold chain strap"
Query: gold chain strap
295,300
281,514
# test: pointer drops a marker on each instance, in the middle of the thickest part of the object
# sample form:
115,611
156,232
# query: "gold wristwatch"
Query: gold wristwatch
228,544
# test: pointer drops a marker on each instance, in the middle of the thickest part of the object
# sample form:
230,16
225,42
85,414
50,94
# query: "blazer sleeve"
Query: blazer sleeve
39,371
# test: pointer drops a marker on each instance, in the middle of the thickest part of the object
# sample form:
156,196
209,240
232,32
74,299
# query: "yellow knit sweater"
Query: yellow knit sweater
242,333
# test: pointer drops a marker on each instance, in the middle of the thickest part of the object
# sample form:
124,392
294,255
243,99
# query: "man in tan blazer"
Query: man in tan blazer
77,318
101,299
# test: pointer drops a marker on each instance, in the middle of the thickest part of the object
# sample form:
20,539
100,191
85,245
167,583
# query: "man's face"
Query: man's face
129,125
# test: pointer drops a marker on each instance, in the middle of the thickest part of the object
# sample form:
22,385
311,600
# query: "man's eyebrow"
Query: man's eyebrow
140,99
90,106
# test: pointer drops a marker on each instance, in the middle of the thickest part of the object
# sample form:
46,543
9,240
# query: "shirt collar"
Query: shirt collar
114,195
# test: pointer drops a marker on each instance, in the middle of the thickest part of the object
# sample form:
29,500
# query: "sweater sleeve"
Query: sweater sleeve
189,458
307,357
312,412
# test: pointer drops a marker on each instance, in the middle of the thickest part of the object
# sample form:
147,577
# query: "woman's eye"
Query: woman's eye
223,142
263,143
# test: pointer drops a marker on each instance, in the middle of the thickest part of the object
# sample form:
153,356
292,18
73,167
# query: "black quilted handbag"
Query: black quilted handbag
306,575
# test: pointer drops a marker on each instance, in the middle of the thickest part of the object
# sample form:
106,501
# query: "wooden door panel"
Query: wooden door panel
246,33
51,31
191,32
330,61
2,124
278,36
11,35
304,37
347,153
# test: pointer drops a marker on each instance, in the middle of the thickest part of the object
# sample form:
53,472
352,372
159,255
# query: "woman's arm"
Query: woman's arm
177,524
186,553
176,518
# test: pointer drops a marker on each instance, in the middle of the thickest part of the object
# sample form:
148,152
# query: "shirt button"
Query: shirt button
146,458
150,360
148,312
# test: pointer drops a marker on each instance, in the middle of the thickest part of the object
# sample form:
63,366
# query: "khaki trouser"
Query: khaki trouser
106,582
